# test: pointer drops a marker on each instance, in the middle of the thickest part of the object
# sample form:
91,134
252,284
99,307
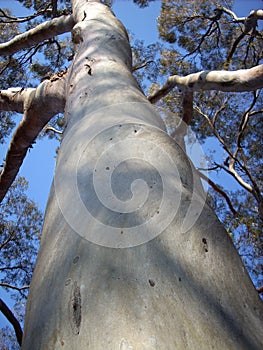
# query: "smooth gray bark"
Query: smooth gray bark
184,289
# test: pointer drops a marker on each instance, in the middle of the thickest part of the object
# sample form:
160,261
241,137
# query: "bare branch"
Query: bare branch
237,177
43,31
54,4
232,14
250,24
163,91
220,191
12,19
51,94
141,65
50,128
11,267
7,285
258,14
233,172
9,238
233,49
181,131
13,320
211,29
235,81
241,130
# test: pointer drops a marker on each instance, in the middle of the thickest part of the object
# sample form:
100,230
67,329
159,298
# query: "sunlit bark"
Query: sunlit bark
235,81
35,35
39,106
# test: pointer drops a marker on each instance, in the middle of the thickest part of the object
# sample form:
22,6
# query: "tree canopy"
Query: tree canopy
205,69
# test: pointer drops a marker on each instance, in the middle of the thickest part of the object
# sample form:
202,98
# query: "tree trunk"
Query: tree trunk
123,268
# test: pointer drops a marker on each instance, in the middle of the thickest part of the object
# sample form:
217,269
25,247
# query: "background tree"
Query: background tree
206,36
195,36
20,227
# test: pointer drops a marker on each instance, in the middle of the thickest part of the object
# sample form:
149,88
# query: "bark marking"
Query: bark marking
75,309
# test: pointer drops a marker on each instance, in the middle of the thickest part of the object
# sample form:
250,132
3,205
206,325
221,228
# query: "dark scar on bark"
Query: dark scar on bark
75,309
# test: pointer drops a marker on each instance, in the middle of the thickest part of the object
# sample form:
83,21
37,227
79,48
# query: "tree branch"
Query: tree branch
7,285
250,25
54,4
141,65
12,19
235,81
181,131
219,190
13,320
13,99
231,171
48,128
43,31
40,105
232,161
232,14
258,14
11,267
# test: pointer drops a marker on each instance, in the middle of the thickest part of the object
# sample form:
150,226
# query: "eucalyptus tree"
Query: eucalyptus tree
132,256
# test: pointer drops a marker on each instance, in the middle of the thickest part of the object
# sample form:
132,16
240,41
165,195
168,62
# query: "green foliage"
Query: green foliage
7,339
11,71
142,3
6,125
38,5
20,225
145,62
245,229
31,66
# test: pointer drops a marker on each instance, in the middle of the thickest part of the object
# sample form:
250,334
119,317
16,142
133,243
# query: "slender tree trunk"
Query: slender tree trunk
104,280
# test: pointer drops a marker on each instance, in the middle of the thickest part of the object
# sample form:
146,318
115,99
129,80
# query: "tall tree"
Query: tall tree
123,264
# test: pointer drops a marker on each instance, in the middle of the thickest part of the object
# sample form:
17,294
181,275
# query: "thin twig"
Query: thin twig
50,128
7,285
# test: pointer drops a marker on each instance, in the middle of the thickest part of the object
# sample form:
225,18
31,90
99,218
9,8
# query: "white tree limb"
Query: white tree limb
43,31
256,14
39,106
235,81
13,99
